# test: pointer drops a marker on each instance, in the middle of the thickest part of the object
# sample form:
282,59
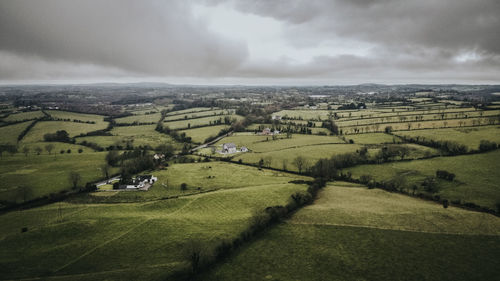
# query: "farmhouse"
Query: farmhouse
243,149
266,131
276,117
142,182
229,148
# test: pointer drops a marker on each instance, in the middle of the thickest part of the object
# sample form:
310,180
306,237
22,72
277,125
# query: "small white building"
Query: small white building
229,148
243,149
276,117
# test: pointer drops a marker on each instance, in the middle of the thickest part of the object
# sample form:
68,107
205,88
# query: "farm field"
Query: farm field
373,138
190,110
10,133
143,241
198,177
205,121
142,118
22,116
476,179
74,129
140,135
470,137
98,119
349,234
44,174
199,135
198,114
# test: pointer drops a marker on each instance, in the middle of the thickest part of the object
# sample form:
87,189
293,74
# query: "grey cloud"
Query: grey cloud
151,37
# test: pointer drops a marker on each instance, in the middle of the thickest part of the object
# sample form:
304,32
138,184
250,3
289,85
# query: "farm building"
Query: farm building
140,182
276,117
243,149
229,148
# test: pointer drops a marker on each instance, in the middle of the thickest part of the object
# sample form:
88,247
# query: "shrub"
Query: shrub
183,186
486,145
442,174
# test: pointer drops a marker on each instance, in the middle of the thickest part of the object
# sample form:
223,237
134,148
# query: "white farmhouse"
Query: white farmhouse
229,148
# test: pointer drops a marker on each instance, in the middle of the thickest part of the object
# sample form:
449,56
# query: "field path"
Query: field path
101,245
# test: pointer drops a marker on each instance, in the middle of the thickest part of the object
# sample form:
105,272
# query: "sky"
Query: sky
261,42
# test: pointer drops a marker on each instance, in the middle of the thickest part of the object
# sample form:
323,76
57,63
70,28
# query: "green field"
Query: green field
373,138
348,234
143,118
476,179
29,115
199,114
139,241
10,133
199,135
204,121
74,129
141,135
45,174
199,177
98,119
190,110
466,136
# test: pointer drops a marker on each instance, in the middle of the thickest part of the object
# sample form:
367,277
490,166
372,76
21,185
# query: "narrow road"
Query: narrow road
210,142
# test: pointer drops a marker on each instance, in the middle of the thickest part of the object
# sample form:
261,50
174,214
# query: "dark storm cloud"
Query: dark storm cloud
405,40
145,37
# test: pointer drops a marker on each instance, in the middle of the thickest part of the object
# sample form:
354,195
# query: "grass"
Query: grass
373,138
29,115
467,136
476,179
311,153
144,118
98,119
199,114
45,174
199,135
190,110
143,241
211,120
74,129
200,177
134,135
9,134
342,237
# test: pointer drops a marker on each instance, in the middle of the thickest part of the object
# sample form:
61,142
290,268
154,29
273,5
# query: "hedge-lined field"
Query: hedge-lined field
199,135
476,178
44,174
143,118
140,241
22,116
470,137
98,119
205,121
9,134
74,129
348,234
199,114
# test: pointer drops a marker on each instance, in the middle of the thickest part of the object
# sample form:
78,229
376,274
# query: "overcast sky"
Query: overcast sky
292,42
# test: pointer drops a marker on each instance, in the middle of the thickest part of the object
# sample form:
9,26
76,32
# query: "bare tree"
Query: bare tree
300,163
74,178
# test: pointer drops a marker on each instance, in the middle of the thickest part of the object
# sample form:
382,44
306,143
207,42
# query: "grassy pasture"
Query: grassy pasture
311,153
142,135
74,129
199,135
404,126
29,115
199,114
260,143
467,136
183,124
373,138
143,241
199,177
190,110
44,174
98,119
143,118
9,134
476,179
348,234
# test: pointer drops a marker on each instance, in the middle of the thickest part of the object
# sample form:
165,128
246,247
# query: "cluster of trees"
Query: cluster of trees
485,145
10,148
442,174
180,137
61,136
450,147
